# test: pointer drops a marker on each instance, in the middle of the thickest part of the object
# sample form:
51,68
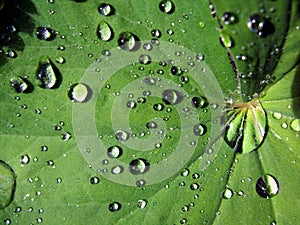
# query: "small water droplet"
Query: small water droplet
199,129
226,39
151,125
295,125
277,115
128,41
185,172
60,60
11,53
260,25
104,31
139,166
167,6
142,203
156,33
158,107
94,180
21,85
114,206
175,70
66,136
199,102
117,169
145,59
140,183
194,186
106,9
228,193
122,135
44,33
45,73
267,186
25,159
229,18
172,97
114,151
79,92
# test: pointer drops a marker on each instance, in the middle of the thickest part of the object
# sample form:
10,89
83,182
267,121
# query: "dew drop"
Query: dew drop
66,136
199,129
226,40
156,33
158,107
260,25
94,180
7,184
151,125
114,151
267,186
199,102
122,135
167,6
295,125
44,33
229,18
128,41
142,203
175,70
277,115
171,97
194,186
140,183
45,73
139,166
114,206
185,172
106,9
117,169
145,59
79,92
25,159
104,31
227,194
20,84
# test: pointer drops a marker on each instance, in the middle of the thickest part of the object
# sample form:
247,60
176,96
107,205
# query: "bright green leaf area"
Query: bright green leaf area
53,171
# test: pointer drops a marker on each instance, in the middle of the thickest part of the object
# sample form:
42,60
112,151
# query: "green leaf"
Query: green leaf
113,115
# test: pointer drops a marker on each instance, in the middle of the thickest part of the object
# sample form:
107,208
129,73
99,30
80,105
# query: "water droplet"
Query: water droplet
185,172
151,125
7,184
60,60
122,135
277,115
128,41
104,31
171,97
21,85
7,221
199,102
158,107
156,33
167,6
194,186
44,148
46,74
227,194
79,92
199,57
25,159
260,25
225,39
176,70
199,129
201,24
142,203
267,186
117,169
145,59
44,33
229,18
140,183
114,206
66,136
114,151
139,166
106,9
94,180
295,125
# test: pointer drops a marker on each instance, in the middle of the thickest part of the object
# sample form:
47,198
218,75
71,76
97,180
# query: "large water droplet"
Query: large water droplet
104,31
128,41
172,97
21,85
199,102
45,73
227,194
79,92
267,186
139,166
114,151
7,184
25,159
106,9
44,33
114,206
167,6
